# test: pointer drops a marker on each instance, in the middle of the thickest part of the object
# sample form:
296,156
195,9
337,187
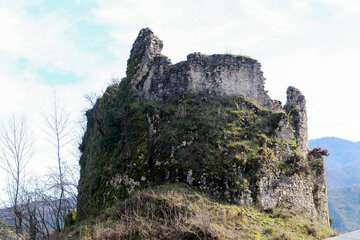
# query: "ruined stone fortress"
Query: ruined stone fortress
255,154
155,77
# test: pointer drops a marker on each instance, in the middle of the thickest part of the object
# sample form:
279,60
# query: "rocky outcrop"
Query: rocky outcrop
145,48
207,122
296,108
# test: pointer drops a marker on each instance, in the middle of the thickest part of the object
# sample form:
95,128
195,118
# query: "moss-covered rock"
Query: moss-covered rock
220,145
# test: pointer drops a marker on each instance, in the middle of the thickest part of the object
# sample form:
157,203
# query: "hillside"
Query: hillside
343,180
344,207
343,164
6,232
208,123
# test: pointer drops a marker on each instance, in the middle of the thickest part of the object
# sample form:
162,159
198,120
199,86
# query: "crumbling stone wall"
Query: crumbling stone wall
222,75
155,77
296,104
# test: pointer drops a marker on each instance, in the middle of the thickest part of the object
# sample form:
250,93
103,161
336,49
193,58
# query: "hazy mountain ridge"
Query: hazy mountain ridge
343,181
343,164
344,208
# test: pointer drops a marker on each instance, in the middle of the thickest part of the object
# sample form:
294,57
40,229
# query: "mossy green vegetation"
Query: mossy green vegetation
135,58
175,211
219,145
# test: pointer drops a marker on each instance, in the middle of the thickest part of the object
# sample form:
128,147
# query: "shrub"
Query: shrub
70,218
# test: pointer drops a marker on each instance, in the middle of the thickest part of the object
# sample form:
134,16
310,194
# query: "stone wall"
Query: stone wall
222,75
303,195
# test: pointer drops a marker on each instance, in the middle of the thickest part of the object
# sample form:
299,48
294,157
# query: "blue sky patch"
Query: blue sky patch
71,7
57,77
89,37
22,63
320,11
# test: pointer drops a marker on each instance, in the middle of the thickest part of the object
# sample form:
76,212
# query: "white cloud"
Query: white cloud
44,40
352,6
35,39
46,45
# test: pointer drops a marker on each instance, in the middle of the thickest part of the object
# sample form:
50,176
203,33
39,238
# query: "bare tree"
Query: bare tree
91,99
15,153
38,222
59,131
40,206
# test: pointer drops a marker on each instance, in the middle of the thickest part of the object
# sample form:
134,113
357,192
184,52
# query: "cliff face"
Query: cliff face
207,122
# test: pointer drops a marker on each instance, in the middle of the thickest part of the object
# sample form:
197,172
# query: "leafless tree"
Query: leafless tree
59,131
91,99
40,206
15,152
38,222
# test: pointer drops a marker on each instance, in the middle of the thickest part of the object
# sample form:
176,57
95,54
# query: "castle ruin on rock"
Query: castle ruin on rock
155,77
207,122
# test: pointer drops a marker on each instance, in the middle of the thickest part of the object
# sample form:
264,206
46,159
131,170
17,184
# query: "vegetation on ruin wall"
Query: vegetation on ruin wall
218,145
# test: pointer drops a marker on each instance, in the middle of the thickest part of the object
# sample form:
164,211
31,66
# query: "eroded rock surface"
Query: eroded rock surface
297,109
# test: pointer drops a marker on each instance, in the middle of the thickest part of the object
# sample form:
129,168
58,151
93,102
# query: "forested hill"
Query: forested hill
344,207
343,163
343,181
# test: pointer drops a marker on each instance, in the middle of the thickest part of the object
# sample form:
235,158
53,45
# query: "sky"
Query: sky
78,46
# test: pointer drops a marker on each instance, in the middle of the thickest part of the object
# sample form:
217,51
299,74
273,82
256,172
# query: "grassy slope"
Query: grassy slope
174,211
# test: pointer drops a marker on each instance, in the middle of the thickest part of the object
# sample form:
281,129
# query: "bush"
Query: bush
71,217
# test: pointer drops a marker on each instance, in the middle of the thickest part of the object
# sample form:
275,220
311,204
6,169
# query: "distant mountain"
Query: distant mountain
7,216
45,208
343,164
343,181
344,207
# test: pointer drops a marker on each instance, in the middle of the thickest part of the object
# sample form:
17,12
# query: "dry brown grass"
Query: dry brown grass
177,212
